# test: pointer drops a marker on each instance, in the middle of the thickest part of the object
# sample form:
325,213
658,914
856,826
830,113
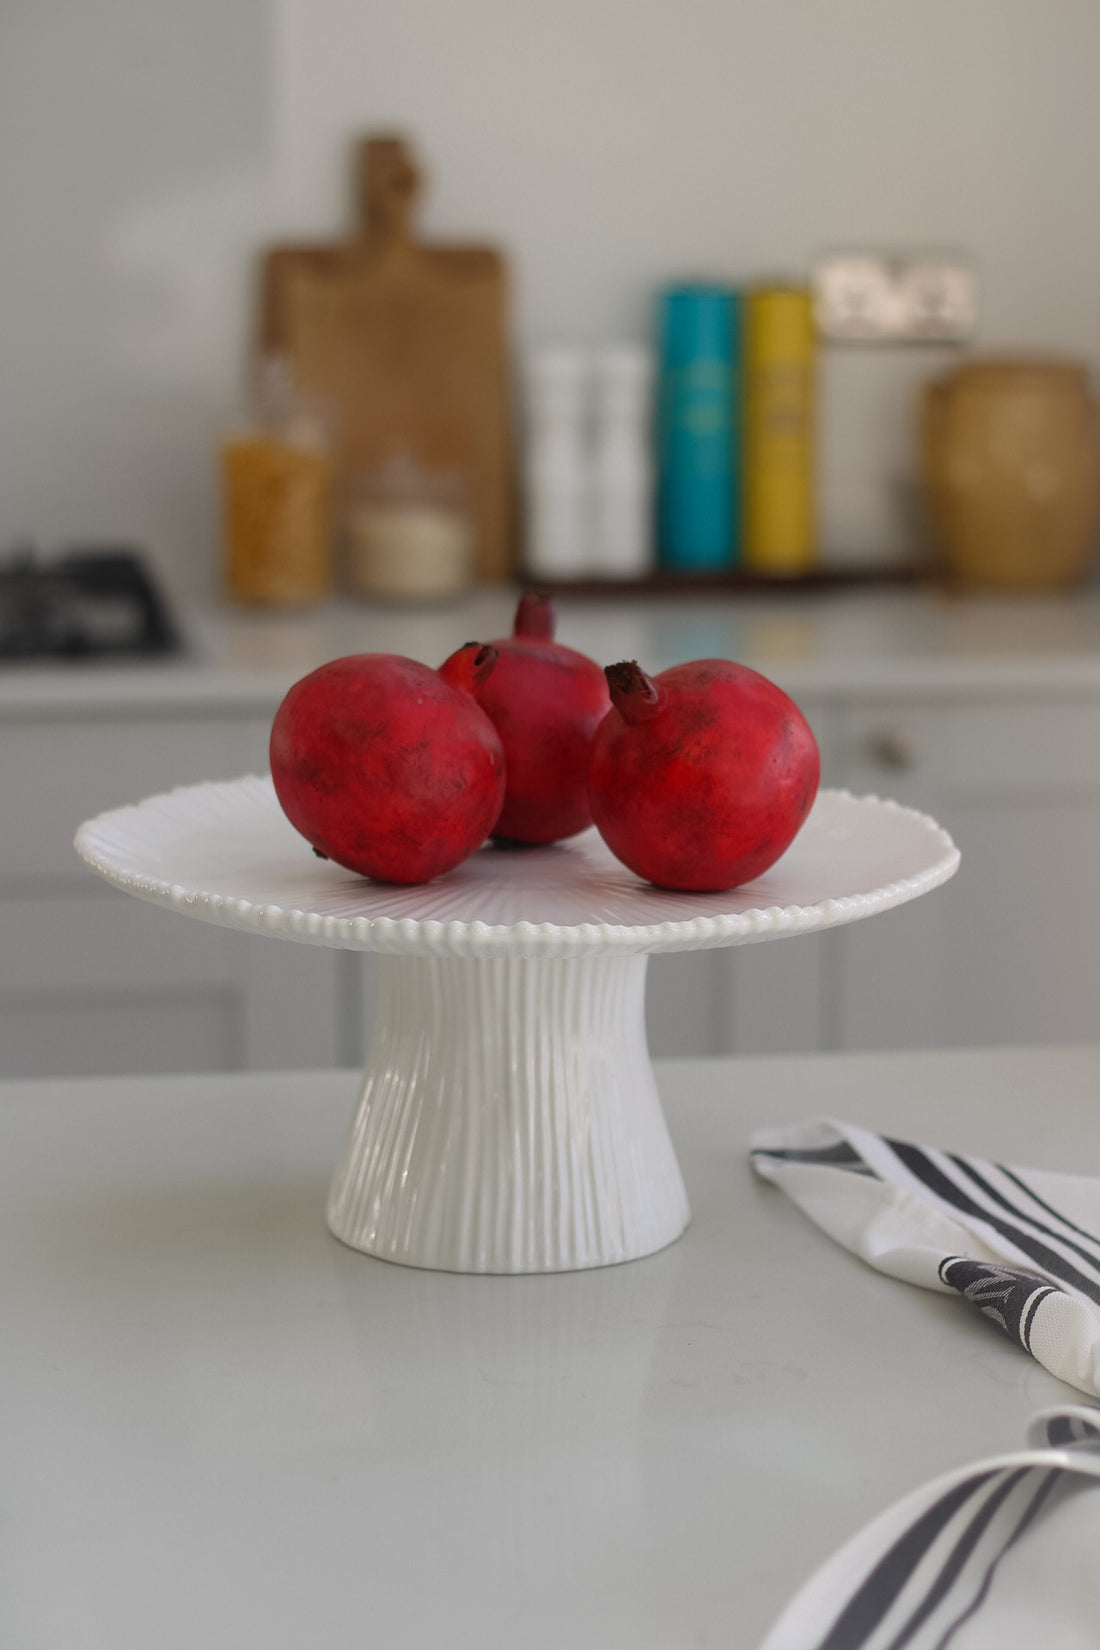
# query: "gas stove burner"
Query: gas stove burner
85,604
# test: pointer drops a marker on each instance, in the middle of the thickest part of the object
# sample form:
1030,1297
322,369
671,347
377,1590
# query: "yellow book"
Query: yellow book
779,528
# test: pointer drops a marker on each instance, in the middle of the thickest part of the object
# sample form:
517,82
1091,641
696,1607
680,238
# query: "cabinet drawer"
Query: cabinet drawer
1015,747
122,985
57,774
120,1035
111,942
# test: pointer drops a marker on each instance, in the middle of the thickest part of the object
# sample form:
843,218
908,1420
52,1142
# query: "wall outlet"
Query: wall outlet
869,297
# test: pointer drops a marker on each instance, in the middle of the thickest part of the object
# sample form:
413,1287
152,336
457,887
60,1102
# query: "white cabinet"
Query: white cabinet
104,983
92,981
1009,950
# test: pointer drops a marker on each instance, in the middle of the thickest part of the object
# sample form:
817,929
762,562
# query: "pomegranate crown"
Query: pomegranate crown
633,693
535,617
471,665
484,660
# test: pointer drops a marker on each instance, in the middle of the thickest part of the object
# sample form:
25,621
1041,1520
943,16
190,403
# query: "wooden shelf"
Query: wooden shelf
735,583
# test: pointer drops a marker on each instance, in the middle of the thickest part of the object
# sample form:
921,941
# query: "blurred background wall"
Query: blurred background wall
149,149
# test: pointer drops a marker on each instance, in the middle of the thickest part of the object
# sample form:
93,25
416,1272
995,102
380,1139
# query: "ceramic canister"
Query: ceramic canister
1011,471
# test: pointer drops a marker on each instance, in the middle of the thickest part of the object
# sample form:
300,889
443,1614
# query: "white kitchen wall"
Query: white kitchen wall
148,148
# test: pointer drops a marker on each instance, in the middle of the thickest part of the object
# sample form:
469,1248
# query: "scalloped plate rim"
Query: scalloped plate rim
413,935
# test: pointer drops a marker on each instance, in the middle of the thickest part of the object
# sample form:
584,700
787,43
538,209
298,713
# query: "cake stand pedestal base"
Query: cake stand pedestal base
509,1120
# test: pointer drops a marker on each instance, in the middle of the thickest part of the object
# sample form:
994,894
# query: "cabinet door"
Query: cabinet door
94,982
59,773
1009,950
100,984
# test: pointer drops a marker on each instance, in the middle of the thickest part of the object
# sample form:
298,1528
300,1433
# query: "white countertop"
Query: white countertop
222,1429
851,644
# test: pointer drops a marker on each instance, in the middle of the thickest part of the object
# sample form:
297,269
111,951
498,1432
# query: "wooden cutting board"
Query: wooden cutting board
407,344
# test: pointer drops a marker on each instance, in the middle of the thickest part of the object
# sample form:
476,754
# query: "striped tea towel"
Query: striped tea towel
1021,1245
947,1566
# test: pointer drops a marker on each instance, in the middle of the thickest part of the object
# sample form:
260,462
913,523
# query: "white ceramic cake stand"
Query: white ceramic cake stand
509,1120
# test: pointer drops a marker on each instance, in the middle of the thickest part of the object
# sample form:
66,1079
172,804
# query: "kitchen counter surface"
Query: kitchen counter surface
851,644
224,1429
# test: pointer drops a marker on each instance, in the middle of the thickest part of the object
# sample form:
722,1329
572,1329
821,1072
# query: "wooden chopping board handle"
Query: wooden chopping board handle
389,186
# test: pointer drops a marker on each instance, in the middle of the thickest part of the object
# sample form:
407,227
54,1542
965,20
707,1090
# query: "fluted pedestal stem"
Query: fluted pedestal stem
509,1120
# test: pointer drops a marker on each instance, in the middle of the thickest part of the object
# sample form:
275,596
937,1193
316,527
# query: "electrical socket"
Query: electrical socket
870,297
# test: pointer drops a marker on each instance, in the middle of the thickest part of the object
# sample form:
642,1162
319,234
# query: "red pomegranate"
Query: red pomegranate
546,702
701,776
386,768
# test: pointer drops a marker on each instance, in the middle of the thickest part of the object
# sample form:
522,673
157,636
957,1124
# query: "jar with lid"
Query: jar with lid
407,533
1011,465
276,475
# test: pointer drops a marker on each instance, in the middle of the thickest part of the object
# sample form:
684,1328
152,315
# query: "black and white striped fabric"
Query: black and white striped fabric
935,1569
1020,1245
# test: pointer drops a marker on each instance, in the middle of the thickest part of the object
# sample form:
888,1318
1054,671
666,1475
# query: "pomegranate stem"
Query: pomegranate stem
472,663
534,616
633,693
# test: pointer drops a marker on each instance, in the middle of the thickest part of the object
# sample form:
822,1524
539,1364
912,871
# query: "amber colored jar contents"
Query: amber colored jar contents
277,499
